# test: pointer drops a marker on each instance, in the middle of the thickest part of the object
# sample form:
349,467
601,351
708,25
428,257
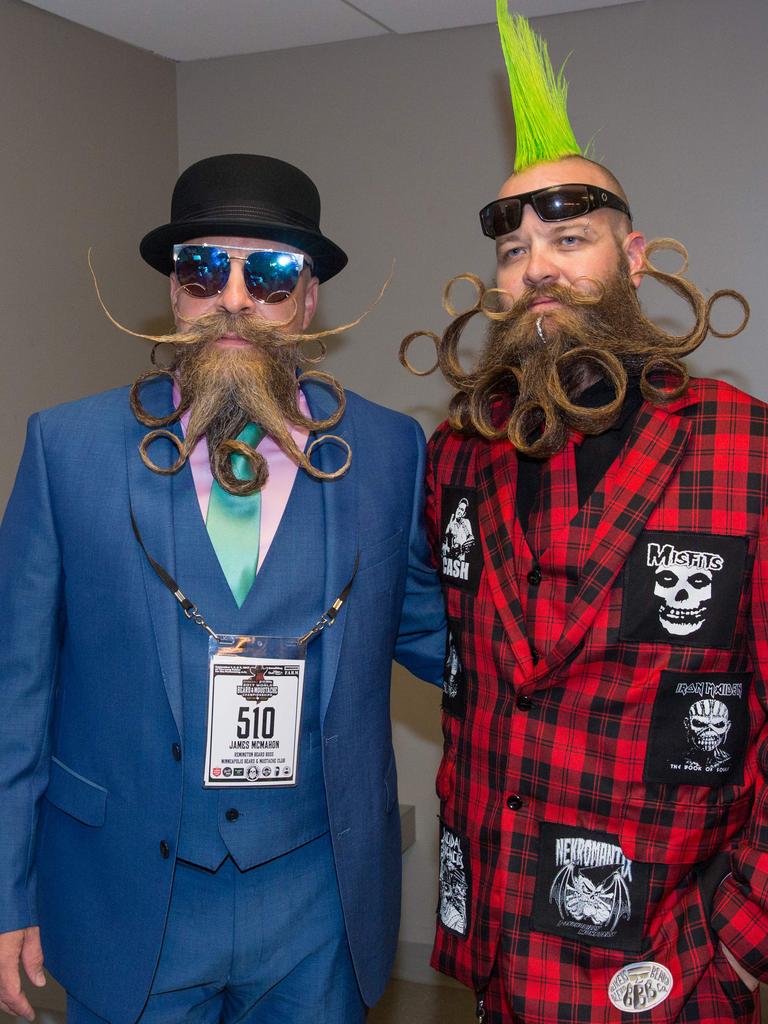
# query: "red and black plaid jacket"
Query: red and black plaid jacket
603,786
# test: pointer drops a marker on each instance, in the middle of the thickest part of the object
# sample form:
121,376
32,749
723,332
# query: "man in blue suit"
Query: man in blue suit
199,808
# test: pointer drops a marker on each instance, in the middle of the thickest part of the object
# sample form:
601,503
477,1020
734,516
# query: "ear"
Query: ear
634,249
175,288
310,302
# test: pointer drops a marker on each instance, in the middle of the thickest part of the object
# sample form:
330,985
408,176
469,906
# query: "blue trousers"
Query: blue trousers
253,947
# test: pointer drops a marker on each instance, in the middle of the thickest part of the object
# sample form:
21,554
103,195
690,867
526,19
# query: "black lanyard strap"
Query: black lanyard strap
192,612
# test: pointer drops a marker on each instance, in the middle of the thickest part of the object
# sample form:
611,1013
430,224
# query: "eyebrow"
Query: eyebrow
564,226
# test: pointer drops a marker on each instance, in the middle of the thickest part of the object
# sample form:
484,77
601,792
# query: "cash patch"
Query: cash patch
460,550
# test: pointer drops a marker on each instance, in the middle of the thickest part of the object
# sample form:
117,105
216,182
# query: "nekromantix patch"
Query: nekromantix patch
587,890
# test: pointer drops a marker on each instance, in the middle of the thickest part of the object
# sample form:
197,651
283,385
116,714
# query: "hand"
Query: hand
22,946
745,976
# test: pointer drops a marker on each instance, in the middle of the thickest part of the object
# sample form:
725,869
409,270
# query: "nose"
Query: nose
235,298
539,269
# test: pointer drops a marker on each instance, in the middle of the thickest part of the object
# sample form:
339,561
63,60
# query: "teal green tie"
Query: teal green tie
233,523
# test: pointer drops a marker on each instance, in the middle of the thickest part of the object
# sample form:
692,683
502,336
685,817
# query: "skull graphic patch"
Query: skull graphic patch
454,903
587,889
698,729
683,589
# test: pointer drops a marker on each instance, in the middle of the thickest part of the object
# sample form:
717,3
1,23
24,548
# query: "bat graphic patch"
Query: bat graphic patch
587,890
683,588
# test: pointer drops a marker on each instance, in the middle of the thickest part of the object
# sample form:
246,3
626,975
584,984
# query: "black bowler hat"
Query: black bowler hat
247,196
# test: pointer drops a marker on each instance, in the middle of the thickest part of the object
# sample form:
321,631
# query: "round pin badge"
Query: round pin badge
639,987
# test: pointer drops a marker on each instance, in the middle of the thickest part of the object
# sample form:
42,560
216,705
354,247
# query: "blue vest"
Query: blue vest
286,600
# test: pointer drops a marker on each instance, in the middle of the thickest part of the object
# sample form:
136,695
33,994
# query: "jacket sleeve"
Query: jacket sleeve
420,645
740,910
31,613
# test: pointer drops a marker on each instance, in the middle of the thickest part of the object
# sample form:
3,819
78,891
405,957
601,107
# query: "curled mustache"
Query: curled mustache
187,337
524,383
224,389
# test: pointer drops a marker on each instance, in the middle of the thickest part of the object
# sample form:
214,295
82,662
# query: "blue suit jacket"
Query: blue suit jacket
90,791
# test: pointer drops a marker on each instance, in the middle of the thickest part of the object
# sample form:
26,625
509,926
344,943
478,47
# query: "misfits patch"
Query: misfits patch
454,692
455,883
683,588
699,729
461,550
587,890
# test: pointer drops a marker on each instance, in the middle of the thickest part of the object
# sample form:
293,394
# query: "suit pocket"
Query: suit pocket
379,551
681,825
76,795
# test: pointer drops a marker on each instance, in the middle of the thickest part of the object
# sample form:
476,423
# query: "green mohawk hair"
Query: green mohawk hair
539,96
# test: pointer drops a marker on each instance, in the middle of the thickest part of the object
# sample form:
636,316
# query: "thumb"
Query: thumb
32,956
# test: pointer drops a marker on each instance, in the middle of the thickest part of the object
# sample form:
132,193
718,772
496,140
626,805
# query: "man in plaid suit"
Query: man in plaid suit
604,809
604,813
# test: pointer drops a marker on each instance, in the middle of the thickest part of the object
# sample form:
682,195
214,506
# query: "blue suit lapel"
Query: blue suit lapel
341,531
151,501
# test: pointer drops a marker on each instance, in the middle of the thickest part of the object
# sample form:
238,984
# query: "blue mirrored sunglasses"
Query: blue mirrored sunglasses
270,275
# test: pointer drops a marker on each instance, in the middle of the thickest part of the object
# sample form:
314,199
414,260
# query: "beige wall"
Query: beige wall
408,136
89,154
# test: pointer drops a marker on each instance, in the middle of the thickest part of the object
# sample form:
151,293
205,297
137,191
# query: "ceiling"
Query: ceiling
196,29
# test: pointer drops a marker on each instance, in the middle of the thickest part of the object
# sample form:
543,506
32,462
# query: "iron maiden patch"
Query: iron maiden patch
461,550
699,729
455,883
683,588
454,692
587,890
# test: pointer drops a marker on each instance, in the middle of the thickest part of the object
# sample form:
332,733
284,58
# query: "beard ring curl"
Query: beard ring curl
137,407
221,466
494,386
178,444
600,418
534,415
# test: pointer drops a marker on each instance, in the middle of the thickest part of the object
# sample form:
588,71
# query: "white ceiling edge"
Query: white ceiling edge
187,30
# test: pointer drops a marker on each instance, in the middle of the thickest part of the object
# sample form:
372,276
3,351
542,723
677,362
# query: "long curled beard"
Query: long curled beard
224,388
537,360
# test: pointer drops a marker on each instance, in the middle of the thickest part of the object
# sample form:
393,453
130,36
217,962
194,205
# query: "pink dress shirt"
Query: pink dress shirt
276,491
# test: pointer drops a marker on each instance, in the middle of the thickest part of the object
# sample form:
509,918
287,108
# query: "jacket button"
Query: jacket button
535,656
165,850
232,814
524,703
514,803
176,751
534,576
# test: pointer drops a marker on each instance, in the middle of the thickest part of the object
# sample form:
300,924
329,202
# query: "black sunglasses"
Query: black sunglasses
270,275
559,202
